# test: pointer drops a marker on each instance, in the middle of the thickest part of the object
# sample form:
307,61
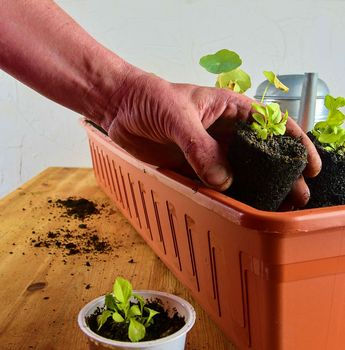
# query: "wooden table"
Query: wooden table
43,288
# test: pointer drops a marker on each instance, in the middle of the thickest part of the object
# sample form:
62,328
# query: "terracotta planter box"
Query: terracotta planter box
271,281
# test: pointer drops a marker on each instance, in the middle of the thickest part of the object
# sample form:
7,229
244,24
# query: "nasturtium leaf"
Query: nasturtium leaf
279,129
117,317
275,113
328,138
332,103
269,121
151,314
110,302
222,61
102,318
273,79
320,125
270,76
259,108
336,117
134,311
330,132
259,118
236,80
263,134
122,290
136,330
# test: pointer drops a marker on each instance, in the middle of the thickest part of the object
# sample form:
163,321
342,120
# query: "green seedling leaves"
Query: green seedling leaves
268,121
152,313
122,290
330,133
222,61
117,317
273,79
236,80
110,303
332,104
136,330
134,311
101,319
226,64
123,306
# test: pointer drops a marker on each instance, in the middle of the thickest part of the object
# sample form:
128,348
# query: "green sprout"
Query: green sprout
125,307
225,64
330,133
269,120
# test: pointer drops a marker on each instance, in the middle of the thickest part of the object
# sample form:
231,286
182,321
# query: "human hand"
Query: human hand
183,126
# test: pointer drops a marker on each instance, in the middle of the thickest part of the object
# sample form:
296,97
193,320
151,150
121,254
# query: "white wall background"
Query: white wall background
168,37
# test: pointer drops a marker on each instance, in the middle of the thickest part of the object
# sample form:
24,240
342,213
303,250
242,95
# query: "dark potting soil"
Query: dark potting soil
79,208
163,325
328,187
264,170
83,240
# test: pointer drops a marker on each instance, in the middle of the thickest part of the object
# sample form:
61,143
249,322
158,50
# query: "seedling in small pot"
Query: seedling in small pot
143,317
225,64
330,133
269,120
328,136
265,161
128,309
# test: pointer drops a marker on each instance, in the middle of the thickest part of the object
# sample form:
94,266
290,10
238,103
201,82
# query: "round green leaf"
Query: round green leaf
220,62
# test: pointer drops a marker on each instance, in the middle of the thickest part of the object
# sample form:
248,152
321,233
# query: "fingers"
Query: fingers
298,196
314,162
205,156
300,193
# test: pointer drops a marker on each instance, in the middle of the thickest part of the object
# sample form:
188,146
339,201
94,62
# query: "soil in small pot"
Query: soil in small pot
163,325
328,187
264,170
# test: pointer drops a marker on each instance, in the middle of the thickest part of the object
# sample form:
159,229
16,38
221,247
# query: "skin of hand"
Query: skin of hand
181,125
178,126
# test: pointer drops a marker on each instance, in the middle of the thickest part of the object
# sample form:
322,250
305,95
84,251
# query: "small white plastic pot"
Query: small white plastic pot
170,302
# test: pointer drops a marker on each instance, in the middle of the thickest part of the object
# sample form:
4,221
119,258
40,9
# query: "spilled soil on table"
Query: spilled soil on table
72,241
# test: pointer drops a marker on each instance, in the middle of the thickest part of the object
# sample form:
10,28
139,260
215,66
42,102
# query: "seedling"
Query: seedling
225,64
269,120
330,133
127,308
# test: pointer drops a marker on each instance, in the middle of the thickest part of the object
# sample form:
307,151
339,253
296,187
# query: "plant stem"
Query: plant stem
265,92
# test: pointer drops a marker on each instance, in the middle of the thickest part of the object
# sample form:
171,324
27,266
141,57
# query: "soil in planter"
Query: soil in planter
327,188
264,170
163,325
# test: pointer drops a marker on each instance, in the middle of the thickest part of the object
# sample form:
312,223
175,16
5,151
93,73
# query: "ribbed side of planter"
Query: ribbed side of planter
269,280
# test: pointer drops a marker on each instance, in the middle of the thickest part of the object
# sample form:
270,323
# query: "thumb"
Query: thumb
205,155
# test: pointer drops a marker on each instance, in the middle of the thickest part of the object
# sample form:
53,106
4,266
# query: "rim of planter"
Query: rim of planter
97,302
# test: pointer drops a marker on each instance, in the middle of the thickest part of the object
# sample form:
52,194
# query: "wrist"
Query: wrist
108,83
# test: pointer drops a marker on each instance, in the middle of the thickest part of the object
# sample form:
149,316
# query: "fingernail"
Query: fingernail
306,195
217,175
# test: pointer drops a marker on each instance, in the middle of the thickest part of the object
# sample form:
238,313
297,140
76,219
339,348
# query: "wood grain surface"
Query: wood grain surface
43,288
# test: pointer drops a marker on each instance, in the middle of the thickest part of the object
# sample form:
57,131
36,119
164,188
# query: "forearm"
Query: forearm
47,50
